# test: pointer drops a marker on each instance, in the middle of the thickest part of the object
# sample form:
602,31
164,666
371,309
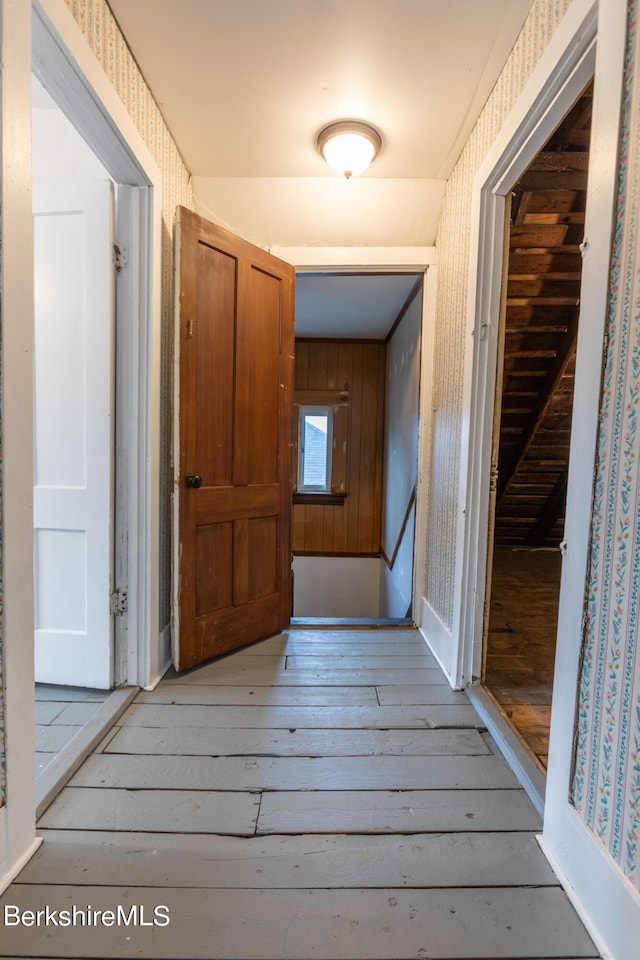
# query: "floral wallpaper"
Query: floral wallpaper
606,785
103,35
451,304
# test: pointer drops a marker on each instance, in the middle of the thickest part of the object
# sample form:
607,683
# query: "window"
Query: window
314,449
321,439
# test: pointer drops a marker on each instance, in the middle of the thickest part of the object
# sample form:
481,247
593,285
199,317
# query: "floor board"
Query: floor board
411,811
421,860
275,696
388,924
185,811
135,772
522,641
204,741
328,718
353,809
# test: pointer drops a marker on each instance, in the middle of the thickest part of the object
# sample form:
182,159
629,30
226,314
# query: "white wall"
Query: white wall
336,586
400,461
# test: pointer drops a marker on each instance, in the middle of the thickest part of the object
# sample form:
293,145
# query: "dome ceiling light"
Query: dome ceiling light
349,146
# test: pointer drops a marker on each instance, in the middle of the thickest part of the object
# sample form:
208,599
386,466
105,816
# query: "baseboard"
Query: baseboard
576,902
350,623
7,878
438,637
517,756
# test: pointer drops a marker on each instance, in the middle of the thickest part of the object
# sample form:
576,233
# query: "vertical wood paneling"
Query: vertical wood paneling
354,526
302,365
355,480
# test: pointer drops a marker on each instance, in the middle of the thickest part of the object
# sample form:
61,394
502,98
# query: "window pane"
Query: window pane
315,450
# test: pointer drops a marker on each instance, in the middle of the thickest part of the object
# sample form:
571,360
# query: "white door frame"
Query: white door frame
400,260
565,68
64,62
70,72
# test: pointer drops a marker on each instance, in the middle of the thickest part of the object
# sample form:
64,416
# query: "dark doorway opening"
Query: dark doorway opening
534,399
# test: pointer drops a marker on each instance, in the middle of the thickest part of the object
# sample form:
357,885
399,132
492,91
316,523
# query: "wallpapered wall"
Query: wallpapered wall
606,787
107,43
451,304
3,755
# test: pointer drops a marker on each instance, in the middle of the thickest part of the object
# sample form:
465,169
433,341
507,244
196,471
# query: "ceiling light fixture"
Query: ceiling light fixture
349,146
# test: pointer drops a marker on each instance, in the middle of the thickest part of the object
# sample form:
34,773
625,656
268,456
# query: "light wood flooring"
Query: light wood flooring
322,794
521,644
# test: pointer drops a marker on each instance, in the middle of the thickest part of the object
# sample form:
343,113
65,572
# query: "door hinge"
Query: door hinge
119,259
118,603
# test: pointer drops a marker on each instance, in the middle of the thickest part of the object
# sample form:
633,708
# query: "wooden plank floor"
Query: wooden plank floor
300,799
60,713
521,644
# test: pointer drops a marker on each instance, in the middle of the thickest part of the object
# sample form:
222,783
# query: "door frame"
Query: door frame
72,75
569,62
396,260
63,61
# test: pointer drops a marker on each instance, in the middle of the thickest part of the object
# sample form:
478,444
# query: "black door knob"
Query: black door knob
193,481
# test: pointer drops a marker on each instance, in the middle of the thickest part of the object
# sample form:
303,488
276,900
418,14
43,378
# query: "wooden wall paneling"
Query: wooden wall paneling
341,516
379,462
332,367
301,365
299,526
352,527
368,465
356,430
318,366
313,528
326,523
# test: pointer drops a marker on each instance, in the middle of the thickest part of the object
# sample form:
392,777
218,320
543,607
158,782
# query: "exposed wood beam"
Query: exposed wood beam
553,510
553,180
563,357
520,206
561,160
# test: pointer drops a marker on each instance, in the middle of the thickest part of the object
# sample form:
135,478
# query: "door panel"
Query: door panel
73,475
232,563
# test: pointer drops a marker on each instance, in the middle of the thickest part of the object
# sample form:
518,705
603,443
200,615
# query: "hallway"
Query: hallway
320,794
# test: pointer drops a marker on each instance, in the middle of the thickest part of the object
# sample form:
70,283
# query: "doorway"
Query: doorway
73,209
534,401
357,370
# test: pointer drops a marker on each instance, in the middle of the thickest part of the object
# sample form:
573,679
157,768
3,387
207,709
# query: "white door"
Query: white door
73,472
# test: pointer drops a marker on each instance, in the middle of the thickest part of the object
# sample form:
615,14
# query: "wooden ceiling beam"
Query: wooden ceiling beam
520,206
541,301
538,263
561,160
553,510
553,180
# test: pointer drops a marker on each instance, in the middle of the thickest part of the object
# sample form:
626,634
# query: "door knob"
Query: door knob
193,480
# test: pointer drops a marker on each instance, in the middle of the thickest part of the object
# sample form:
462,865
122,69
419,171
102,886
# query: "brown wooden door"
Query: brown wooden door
234,397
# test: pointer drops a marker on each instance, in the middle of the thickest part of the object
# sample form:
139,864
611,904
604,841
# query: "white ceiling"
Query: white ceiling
245,85
350,306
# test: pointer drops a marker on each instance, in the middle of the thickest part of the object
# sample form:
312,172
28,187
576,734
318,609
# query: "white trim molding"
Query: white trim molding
558,79
69,70
17,820
602,896
400,260
365,259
